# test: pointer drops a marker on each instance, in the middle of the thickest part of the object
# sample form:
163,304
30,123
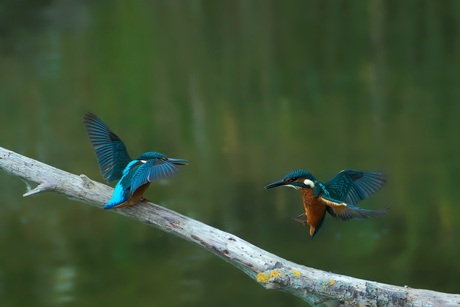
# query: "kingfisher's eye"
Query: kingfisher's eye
291,179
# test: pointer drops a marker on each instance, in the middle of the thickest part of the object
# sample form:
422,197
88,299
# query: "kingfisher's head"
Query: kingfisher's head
160,158
298,179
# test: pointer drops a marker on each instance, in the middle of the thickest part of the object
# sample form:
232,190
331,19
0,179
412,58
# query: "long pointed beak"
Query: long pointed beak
275,184
178,161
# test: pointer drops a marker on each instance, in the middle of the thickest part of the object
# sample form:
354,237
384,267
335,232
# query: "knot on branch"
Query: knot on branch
87,182
42,187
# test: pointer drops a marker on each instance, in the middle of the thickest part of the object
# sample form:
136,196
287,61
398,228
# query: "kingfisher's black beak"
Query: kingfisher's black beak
275,184
178,161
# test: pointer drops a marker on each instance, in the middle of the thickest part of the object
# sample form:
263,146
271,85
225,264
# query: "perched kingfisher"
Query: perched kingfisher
115,163
337,196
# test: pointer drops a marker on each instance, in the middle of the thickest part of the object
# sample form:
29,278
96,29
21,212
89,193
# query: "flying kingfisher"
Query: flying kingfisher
115,163
337,196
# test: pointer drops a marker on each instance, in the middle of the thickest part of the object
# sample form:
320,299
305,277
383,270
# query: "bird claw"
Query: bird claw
122,205
299,220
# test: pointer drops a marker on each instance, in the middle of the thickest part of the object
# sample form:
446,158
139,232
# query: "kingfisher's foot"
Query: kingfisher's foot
145,200
122,205
301,220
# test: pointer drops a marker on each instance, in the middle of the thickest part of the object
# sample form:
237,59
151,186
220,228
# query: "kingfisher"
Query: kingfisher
338,196
115,163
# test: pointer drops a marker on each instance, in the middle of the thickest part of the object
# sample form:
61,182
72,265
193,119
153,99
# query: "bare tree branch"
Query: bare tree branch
270,271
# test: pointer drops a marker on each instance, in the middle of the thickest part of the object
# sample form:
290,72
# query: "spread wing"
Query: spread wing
352,186
149,171
346,212
111,152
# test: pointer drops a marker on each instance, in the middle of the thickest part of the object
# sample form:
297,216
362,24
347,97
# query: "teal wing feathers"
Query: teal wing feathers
352,186
111,152
349,187
149,171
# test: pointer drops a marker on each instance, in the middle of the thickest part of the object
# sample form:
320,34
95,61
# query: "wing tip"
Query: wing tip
89,117
374,213
356,212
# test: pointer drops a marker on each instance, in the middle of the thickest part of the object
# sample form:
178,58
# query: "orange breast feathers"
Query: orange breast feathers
314,209
138,195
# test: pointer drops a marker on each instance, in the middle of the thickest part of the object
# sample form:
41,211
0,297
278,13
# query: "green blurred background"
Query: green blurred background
246,91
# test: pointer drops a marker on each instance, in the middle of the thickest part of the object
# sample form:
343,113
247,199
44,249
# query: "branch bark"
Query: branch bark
270,271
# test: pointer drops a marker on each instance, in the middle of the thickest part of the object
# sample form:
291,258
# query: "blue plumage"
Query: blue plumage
122,191
114,161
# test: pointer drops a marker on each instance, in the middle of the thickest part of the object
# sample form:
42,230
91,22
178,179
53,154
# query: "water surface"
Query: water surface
246,91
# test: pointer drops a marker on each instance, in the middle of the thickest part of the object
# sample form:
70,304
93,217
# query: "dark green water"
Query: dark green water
246,91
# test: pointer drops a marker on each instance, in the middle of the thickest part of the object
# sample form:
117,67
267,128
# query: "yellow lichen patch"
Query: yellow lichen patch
262,277
331,283
296,273
275,273
265,277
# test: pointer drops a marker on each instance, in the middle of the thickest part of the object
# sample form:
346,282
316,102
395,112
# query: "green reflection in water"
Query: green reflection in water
246,91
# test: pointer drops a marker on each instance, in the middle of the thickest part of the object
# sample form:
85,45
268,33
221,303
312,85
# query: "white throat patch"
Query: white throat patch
292,186
309,183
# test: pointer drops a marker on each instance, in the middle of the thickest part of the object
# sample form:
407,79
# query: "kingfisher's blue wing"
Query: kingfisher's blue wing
111,152
150,170
346,212
352,186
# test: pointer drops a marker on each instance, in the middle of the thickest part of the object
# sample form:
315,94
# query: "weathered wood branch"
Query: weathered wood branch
270,271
